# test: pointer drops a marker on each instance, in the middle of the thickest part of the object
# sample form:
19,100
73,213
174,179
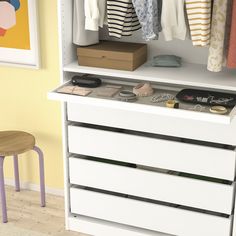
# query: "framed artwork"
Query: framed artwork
19,41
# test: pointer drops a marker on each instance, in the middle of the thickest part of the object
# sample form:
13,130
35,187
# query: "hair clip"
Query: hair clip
143,90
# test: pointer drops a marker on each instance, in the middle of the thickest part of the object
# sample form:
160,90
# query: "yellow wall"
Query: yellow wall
24,104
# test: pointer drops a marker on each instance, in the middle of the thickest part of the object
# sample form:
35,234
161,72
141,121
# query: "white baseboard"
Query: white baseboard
35,187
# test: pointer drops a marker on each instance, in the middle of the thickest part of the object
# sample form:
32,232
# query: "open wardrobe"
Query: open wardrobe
148,90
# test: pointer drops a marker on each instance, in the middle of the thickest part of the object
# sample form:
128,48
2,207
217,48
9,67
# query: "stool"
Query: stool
13,143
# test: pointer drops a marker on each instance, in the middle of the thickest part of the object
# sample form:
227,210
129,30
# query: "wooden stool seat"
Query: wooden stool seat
15,142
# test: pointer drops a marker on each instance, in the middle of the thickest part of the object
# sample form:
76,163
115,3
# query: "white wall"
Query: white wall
180,48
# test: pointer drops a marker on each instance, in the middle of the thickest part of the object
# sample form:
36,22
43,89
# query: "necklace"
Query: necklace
162,98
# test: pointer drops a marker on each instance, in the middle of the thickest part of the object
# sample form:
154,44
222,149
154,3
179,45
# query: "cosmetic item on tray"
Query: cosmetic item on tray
204,97
86,81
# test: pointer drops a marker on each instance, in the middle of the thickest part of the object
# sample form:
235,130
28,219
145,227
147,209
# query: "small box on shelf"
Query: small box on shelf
113,55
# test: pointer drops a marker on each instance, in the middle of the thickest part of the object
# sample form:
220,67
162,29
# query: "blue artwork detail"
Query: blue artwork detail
15,3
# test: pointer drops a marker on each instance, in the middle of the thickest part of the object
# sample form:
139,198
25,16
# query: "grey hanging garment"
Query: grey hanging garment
81,36
149,15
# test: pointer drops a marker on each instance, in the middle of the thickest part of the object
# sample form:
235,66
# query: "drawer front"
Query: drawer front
153,123
157,186
171,155
147,215
98,227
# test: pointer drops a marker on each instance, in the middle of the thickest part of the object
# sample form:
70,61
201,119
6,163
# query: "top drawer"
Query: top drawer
150,118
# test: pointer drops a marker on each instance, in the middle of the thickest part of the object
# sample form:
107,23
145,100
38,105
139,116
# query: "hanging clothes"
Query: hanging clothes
149,15
216,50
231,58
95,14
173,19
121,17
199,18
81,36
227,31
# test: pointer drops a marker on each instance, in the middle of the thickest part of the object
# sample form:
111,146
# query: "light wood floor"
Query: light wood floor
24,212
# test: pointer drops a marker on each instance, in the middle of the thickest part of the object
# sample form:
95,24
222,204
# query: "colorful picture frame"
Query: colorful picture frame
19,39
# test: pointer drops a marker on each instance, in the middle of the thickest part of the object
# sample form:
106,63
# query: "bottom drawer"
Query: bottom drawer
147,215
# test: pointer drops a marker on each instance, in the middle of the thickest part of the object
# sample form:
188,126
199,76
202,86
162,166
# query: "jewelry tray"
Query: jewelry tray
204,97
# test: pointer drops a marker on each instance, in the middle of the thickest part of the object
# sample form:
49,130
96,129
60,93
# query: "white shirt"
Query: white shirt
95,14
81,36
173,20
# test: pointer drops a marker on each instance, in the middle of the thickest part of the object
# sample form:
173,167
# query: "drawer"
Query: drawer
152,185
148,118
184,127
165,154
147,215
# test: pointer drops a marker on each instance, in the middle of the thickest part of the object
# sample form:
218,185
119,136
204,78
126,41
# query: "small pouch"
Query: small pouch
86,81
166,61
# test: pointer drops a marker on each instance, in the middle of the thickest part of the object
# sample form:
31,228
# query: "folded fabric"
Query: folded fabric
149,15
121,17
173,20
231,59
199,18
81,36
167,61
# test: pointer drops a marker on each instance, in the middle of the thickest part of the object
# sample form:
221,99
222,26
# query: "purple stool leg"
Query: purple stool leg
16,170
41,170
2,191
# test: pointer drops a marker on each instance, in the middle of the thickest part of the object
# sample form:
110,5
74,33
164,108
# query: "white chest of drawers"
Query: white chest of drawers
137,170
140,171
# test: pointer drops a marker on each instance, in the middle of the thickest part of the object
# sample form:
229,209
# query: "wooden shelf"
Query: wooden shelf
188,75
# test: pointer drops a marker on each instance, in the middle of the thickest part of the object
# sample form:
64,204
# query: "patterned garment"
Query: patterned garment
231,59
149,15
216,50
121,17
199,18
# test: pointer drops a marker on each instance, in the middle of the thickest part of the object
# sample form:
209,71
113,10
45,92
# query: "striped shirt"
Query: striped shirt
121,17
199,17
